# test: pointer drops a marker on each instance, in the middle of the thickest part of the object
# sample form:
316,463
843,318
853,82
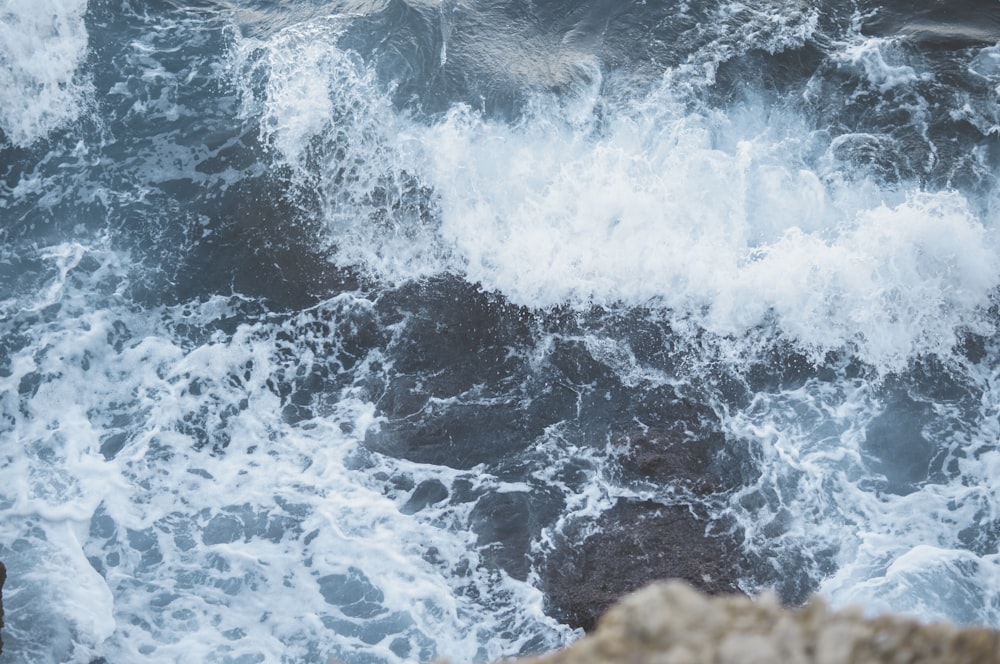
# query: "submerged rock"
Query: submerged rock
666,457
672,622
635,542
3,579
597,560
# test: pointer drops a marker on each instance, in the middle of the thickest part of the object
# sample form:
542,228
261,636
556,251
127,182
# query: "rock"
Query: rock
668,457
3,579
673,623
635,542
597,560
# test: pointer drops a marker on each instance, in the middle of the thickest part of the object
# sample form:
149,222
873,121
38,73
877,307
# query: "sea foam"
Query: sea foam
740,220
704,217
42,47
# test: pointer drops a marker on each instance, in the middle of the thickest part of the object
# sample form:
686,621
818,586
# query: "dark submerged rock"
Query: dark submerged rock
3,579
595,562
635,543
666,456
506,523
427,493
458,389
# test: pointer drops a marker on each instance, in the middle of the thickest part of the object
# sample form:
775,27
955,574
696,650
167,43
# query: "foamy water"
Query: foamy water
42,48
318,331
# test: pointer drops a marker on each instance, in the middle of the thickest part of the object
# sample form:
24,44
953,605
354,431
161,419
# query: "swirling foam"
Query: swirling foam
729,218
42,45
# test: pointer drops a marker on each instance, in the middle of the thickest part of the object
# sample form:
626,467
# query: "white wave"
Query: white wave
712,217
929,582
926,549
42,45
883,62
718,216
325,114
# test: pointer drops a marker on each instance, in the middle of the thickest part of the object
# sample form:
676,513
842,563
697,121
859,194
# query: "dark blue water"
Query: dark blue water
324,325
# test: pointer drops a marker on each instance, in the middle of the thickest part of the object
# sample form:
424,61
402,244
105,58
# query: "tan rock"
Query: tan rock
671,623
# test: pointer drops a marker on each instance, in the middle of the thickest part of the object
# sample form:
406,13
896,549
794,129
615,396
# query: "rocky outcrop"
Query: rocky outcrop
672,623
635,542
596,560
3,579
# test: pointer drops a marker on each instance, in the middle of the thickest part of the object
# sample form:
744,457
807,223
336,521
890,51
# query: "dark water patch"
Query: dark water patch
458,389
353,592
494,56
459,436
911,114
488,55
404,42
793,573
762,73
924,432
983,538
428,492
469,378
3,579
506,524
898,449
337,343
49,200
952,25
260,244
455,328
51,635
782,366
112,444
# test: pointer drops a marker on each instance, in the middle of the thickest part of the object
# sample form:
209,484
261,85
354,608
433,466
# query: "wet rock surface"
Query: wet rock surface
488,385
672,622
3,579
595,562
635,543
666,456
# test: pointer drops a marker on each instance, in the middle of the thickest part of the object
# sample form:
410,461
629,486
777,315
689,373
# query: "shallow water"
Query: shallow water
322,322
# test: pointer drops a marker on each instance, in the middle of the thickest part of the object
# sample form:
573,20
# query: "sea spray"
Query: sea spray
321,334
43,46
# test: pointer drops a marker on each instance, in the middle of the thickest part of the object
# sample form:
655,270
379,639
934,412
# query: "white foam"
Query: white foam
157,550
723,217
930,583
327,116
723,221
299,65
42,45
883,62
707,217
928,552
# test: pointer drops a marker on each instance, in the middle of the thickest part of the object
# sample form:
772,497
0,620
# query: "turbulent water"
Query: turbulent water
321,322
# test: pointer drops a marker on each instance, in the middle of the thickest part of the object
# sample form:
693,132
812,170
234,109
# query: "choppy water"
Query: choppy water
318,321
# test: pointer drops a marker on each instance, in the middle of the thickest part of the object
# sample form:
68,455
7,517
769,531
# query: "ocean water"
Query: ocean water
321,322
